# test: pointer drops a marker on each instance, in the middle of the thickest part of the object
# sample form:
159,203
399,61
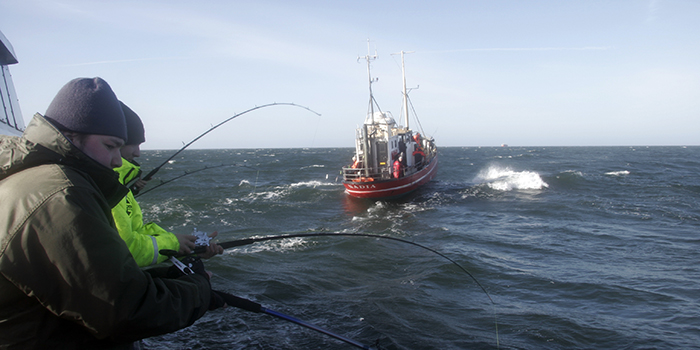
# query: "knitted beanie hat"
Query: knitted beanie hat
88,106
134,126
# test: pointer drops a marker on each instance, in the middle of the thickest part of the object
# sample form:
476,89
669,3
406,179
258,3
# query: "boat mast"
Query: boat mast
366,155
405,94
369,58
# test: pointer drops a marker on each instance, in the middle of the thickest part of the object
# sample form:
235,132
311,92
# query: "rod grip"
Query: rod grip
239,302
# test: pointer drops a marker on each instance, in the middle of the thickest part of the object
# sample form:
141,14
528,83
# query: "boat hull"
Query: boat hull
393,188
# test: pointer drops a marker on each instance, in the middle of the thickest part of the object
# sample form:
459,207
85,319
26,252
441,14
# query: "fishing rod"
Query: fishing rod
188,173
249,305
186,268
252,240
155,170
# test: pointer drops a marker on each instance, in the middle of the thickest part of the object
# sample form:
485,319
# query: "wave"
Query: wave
283,245
506,179
618,173
313,166
302,191
314,184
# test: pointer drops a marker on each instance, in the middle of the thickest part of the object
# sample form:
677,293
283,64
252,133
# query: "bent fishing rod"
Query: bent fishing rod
249,305
156,169
201,248
252,306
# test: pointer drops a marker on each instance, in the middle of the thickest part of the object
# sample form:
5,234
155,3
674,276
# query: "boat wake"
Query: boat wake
506,179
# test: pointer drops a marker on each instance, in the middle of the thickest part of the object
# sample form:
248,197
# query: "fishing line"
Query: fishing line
255,187
251,240
154,171
185,174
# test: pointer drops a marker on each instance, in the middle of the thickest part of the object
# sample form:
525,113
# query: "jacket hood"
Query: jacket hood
42,144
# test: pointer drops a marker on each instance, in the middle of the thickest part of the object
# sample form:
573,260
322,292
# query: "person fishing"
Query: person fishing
67,279
145,240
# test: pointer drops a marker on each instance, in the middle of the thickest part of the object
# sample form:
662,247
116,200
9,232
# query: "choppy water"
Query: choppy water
581,247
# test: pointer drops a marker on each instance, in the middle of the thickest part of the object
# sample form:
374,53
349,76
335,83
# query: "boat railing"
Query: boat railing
365,174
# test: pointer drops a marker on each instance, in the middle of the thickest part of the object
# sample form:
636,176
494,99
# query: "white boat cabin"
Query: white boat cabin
11,121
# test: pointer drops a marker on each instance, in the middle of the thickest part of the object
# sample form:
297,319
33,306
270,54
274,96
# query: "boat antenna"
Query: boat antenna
154,171
369,58
405,92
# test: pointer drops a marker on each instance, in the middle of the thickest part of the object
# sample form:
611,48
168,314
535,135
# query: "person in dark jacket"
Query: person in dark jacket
67,279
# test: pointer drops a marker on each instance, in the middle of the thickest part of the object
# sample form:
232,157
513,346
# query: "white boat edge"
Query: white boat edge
11,121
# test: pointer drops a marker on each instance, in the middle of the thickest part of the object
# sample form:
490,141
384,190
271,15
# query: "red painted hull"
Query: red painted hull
394,187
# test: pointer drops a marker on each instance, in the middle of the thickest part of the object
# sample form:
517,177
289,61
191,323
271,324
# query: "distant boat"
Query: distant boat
390,160
11,122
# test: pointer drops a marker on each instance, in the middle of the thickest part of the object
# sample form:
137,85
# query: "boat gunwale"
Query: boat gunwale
412,182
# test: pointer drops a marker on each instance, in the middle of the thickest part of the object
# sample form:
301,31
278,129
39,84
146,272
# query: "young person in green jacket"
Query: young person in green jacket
67,280
145,240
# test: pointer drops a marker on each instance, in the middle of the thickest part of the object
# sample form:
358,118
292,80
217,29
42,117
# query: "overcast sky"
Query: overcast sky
525,73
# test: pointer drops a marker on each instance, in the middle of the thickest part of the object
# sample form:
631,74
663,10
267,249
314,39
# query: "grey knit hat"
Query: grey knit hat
134,126
88,106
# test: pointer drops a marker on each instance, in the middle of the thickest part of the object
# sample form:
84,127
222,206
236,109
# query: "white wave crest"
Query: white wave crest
313,184
287,244
505,179
618,173
313,166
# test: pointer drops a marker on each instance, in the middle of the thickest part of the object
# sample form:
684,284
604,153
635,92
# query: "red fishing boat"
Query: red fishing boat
390,159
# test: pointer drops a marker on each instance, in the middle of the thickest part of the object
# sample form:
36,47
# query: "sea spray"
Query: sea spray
506,179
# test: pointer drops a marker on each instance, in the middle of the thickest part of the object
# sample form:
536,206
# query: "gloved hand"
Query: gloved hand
217,301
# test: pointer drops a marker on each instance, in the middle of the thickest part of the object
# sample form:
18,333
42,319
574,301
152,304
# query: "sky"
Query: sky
481,73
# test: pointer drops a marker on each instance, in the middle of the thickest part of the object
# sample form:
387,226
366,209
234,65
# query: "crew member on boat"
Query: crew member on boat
397,169
356,164
418,153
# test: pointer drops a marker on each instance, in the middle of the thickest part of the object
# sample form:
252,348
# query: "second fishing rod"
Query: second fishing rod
150,174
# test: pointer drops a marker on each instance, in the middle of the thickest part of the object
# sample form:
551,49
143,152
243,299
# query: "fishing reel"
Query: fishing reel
190,264
203,238
201,243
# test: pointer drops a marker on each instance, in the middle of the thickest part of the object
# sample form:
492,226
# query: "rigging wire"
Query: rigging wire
415,115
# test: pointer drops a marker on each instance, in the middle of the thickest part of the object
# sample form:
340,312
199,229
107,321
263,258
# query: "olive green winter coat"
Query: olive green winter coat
67,280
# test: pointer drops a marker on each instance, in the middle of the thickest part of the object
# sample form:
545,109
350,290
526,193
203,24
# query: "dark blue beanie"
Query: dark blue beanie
88,106
134,126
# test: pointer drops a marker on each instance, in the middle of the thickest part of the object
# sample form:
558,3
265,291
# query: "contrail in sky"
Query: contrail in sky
585,48
122,61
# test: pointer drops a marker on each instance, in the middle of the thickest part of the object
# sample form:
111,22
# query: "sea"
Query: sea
515,248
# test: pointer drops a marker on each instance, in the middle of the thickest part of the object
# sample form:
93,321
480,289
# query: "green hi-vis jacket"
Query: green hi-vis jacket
144,241
67,280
